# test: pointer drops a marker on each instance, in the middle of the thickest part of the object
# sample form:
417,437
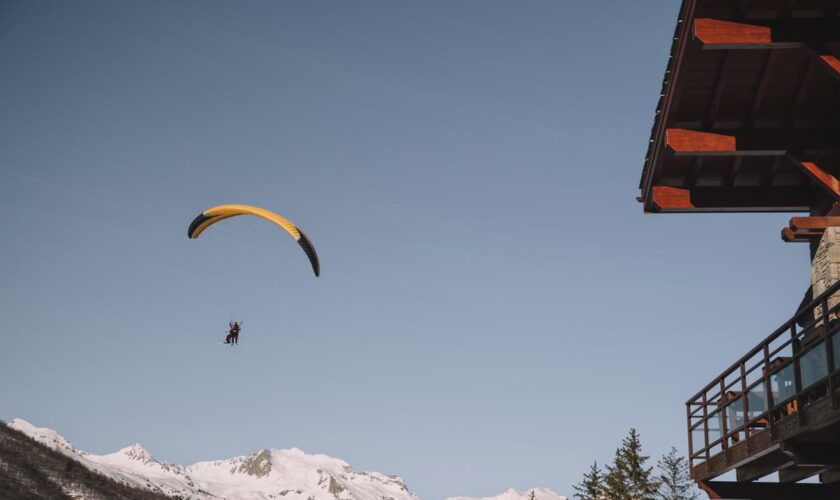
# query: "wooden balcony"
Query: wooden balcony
777,409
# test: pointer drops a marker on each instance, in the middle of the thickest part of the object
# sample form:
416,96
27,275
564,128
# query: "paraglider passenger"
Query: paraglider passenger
233,333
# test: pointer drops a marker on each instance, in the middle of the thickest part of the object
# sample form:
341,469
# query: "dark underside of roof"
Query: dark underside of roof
749,113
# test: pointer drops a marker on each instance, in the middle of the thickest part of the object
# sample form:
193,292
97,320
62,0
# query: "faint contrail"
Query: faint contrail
88,197
69,191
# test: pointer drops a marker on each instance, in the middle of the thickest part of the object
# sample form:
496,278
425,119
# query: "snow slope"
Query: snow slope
512,494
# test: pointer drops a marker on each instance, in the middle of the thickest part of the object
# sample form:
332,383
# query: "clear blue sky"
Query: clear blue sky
494,309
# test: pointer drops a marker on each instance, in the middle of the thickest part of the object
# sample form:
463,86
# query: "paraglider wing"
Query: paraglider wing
222,212
202,222
304,243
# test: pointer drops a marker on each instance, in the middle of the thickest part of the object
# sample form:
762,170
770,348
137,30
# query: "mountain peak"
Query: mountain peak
137,452
43,435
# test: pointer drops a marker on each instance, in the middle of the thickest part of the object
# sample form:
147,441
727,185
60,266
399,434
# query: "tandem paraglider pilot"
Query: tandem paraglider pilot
233,333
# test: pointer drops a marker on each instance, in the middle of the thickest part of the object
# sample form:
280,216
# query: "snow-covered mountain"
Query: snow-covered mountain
512,494
266,474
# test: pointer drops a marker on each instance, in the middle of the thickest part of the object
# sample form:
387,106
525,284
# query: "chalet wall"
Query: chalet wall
825,267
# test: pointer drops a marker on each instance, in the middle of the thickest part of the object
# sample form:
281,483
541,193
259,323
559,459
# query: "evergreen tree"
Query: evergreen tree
615,481
592,485
674,481
627,477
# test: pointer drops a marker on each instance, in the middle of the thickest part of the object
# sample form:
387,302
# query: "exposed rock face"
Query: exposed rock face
257,465
335,487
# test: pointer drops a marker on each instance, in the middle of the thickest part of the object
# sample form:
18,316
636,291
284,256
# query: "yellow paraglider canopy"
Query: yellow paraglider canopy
222,212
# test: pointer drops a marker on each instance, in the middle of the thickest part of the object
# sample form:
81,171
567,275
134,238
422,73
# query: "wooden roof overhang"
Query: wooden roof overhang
749,113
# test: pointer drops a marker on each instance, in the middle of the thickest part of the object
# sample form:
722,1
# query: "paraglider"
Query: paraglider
218,213
213,215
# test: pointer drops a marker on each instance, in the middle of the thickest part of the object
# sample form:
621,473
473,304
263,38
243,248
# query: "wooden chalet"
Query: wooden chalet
749,121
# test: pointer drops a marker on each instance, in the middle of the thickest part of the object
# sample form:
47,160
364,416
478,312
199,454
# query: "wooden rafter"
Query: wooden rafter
823,179
694,171
791,236
717,34
814,223
754,142
695,142
666,198
801,92
769,174
827,60
737,161
763,83
811,34
731,199
720,86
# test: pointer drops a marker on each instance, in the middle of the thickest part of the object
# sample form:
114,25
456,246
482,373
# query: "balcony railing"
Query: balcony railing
795,365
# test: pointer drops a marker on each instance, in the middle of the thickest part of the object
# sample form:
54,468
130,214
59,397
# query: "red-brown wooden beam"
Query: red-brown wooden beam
772,142
812,34
731,199
791,236
827,60
828,182
807,229
814,223
771,34
788,236
666,198
687,142
719,34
